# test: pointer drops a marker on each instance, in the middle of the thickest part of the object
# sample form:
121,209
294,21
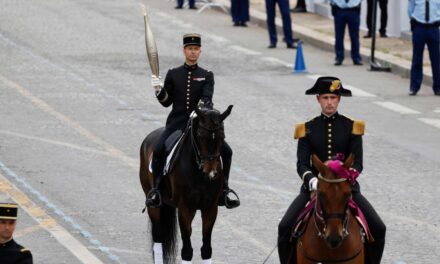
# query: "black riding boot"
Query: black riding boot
225,200
154,198
375,251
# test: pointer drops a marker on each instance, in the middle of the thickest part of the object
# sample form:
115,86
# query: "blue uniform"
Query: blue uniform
285,15
347,13
240,10
191,3
425,21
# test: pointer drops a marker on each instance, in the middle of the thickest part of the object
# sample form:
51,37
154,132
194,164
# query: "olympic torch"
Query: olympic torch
150,44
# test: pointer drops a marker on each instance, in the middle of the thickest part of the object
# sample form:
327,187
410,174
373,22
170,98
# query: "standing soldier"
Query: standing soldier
186,87
240,12
192,4
287,23
10,251
347,12
383,4
425,20
327,136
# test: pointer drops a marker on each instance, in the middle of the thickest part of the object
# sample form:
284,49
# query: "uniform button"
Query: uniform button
329,141
188,80
189,77
329,157
329,152
329,146
329,125
329,130
329,135
189,72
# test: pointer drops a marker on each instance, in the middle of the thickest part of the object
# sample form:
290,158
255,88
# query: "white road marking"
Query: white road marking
359,92
397,108
431,121
54,142
277,61
245,50
70,123
48,223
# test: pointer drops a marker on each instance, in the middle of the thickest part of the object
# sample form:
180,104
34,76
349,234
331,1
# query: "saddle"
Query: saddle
172,150
309,209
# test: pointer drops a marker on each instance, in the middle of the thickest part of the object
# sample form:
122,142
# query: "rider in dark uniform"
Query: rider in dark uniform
185,88
10,251
329,135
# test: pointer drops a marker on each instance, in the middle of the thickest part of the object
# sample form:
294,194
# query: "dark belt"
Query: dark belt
427,25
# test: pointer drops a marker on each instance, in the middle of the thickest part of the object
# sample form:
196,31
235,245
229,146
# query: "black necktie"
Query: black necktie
427,11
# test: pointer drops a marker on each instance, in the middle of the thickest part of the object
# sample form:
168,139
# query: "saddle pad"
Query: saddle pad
169,157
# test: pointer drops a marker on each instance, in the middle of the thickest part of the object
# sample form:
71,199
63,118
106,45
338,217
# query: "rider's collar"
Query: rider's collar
329,118
190,67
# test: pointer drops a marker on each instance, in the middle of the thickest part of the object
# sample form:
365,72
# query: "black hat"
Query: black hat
192,39
8,211
328,84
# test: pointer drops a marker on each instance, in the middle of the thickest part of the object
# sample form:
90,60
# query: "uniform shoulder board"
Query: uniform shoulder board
24,250
358,127
300,131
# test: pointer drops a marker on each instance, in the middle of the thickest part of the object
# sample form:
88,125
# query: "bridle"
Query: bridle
323,215
200,158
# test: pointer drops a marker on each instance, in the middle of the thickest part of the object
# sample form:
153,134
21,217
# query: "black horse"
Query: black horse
195,182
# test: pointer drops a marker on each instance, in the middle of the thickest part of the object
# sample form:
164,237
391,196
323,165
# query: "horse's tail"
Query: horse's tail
168,233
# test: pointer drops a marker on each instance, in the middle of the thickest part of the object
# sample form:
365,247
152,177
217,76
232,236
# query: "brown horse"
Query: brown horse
194,183
332,234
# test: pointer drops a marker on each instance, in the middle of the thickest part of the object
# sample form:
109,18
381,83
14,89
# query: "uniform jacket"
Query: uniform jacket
13,253
326,137
417,11
183,88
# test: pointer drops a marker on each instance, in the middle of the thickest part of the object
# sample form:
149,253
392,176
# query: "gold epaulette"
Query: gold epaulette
358,127
300,131
24,250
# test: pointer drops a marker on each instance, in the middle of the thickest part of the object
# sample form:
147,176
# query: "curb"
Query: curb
398,66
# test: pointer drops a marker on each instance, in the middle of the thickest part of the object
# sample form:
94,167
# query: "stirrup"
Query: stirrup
231,203
154,199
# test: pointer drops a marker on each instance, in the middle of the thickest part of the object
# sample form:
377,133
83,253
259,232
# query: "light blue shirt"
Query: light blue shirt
417,11
346,3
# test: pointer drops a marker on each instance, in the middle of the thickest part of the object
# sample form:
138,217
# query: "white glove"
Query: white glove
313,184
156,82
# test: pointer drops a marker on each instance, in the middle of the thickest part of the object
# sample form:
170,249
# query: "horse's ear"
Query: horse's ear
199,112
349,161
317,163
226,113
321,167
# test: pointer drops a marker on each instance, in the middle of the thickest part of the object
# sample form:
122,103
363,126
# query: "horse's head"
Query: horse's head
334,192
210,135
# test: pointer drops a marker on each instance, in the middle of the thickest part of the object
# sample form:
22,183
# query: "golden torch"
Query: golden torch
150,44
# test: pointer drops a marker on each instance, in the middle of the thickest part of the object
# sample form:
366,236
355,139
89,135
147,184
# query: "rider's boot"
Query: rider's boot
154,198
226,199
375,251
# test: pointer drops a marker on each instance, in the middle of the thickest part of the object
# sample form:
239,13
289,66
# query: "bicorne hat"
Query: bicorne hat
8,211
328,85
192,39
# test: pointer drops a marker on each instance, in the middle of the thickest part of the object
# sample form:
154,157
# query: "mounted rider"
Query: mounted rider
329,136
186,87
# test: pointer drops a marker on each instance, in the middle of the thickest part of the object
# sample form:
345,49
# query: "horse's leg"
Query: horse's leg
208,219
154,214
186,217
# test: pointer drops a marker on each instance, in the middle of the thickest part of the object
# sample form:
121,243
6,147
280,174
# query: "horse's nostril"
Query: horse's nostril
334,241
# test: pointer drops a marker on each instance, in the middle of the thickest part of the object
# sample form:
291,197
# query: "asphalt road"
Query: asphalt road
76,104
